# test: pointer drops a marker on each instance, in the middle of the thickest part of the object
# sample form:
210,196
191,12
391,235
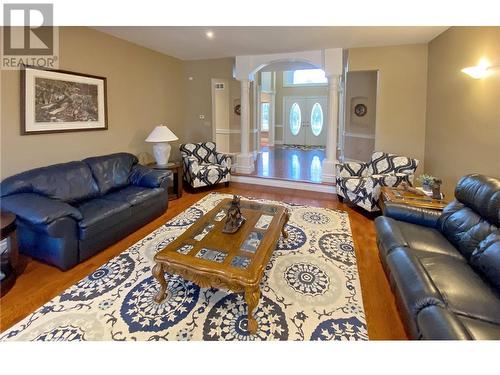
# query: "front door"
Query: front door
305,120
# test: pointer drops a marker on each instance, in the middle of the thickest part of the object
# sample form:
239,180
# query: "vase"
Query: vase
427,187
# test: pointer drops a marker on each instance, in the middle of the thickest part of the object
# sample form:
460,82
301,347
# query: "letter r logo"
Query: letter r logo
28,29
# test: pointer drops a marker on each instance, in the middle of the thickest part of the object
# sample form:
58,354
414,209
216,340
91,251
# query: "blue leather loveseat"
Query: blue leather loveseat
68,212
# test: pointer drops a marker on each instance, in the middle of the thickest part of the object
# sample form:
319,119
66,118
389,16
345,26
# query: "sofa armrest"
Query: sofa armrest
191,165
148,177
413,215
388,180
223,159
37,209
351,169
438,323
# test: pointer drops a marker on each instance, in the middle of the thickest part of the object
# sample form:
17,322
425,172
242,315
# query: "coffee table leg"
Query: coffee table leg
287,218
159,275
252,297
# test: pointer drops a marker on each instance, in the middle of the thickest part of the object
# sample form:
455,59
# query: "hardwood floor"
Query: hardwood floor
291,164
39,283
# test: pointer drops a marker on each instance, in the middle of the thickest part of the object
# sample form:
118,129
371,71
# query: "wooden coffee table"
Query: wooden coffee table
400,196
210,258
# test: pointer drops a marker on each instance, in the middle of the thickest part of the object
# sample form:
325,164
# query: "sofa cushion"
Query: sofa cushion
482,194
464,292
422,240
464,227
100,215
479,329
425,240
135,195
111,171
383,163
68,182
411,282
486,259
204,152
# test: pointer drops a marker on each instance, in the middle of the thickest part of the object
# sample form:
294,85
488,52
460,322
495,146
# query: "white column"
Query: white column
272,122
244,160
328,173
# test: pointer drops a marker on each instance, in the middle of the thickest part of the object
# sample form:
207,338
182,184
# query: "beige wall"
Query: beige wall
463,121
401,100
198,96
145,88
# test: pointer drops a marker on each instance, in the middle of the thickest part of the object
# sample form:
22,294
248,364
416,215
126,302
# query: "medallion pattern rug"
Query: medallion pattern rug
310,291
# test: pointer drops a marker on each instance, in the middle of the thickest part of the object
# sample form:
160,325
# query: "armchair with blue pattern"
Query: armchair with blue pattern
360,183
203,165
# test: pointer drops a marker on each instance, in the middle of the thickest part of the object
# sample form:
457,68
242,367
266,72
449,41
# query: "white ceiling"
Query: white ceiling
190,43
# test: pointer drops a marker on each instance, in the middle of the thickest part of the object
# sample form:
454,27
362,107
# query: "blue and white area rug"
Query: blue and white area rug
310,291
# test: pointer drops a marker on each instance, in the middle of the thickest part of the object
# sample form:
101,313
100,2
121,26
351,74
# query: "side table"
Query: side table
176,168
400,196
9,252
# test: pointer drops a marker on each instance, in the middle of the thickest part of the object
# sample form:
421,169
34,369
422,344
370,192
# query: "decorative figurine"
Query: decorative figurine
234,218
436,189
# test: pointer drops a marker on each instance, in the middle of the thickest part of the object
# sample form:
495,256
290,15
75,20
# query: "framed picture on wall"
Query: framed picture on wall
55,101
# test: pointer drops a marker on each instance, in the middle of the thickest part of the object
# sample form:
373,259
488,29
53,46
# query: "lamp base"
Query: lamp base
161,152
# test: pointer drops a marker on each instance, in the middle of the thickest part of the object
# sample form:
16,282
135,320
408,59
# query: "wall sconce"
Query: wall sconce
479,71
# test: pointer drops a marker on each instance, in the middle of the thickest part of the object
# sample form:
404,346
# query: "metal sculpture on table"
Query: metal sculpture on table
234,217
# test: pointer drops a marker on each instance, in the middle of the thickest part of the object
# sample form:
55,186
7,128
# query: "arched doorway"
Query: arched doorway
309,119
289,120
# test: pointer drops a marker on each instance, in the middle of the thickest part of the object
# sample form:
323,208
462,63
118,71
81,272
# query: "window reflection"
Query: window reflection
295,167
295,119
316,119
316,169
265,164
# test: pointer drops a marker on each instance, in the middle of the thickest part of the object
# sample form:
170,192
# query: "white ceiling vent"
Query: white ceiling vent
219,86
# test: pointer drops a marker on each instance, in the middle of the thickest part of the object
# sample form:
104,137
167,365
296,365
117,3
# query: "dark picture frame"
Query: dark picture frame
61,101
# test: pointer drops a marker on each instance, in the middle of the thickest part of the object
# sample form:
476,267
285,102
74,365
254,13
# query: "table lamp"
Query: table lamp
160,136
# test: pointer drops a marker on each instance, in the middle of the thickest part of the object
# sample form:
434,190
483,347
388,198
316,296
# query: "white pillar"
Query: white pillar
328,173
272,122
244,160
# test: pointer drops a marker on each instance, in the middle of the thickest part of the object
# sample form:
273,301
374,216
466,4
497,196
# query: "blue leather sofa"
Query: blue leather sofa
68,212
444,267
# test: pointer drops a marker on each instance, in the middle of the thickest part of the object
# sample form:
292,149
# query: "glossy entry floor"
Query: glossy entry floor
292,164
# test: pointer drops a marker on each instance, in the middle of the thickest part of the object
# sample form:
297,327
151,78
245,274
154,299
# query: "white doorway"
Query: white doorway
305,120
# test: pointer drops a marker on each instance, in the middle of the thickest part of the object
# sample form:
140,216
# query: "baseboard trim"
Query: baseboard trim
296,185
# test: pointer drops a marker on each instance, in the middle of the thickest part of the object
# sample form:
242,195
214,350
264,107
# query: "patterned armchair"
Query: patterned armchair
360,183
203,165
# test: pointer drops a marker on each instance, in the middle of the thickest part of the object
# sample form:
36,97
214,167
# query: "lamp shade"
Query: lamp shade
161,134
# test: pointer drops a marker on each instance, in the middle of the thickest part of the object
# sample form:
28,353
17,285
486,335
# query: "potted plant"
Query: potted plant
427,181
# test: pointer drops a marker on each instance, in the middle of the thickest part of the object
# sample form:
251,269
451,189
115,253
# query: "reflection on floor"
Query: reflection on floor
287,163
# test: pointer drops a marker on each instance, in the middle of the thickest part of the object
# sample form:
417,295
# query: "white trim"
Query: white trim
278,142
328,170
296,185
245,163
359,135
227,131
278,126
